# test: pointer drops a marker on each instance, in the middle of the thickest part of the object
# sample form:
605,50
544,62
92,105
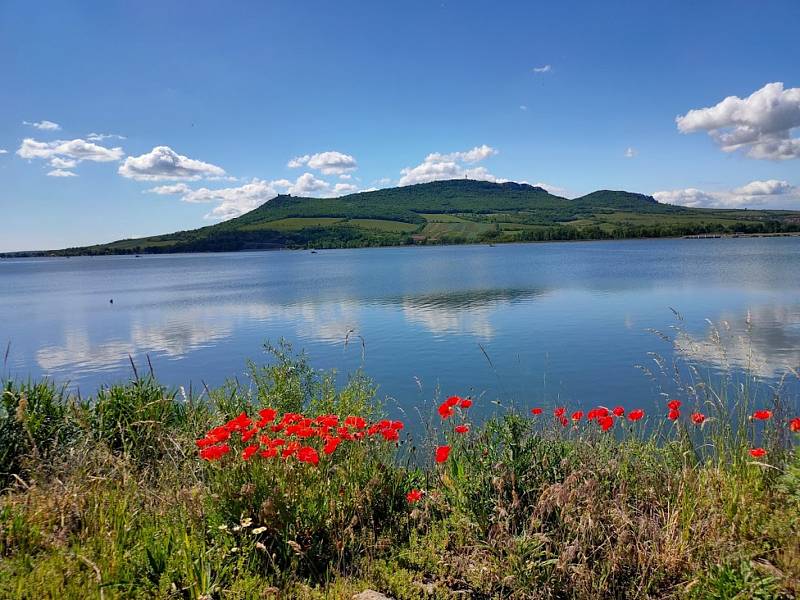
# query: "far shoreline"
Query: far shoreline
60,254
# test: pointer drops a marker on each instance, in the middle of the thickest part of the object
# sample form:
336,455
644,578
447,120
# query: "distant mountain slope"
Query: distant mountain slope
454,211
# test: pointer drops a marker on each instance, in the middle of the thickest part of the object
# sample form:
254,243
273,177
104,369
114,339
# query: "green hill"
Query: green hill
455,211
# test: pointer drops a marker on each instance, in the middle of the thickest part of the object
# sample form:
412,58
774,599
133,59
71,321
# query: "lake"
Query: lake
528,324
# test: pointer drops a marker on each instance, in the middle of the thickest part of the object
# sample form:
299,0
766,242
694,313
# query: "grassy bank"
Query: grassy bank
267,489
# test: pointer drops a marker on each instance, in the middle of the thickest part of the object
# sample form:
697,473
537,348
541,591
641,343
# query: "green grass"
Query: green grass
294,224
105,497
384,225
467,229
442,218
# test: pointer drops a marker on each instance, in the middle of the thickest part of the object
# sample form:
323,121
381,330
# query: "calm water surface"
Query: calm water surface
526,324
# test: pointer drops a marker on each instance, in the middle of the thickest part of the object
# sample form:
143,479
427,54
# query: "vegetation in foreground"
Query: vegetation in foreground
458,211
289,487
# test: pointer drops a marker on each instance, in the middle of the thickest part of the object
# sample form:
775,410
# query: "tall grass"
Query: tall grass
106,497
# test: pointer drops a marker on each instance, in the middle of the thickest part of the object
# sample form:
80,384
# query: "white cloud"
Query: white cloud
61,173
66,154
3,151
553,189
477,154
233,201
298,161
438,167
63,163
99,137
169,190
771,193
770,187
340,189
383,181
163,163
523,107
761,125
308,185
542,69
630,152
686,197
328,163
44,125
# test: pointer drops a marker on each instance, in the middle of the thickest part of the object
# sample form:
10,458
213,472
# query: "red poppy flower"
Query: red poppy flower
452,401
328,420
758,452
249,433
673,414
305,432
277,442
390,435
218,434
465,403
445,410
564,421
239,423
269,453
559,412
698,418
331,445
290,449
442,452
794,424
397,425
536,411
413,496
308,454
248,452
596,413
762,415
267,416
577,415
214,452
619,411
674,404
268,413
635,415
355,422
606,422
462,428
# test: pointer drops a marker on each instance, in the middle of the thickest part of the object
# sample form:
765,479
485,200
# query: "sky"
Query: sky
126,119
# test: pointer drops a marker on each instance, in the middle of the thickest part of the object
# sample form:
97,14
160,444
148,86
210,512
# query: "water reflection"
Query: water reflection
462,313
565,322
764,341
172,340
181,331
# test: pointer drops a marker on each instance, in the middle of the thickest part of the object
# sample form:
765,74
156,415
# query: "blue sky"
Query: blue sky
213,101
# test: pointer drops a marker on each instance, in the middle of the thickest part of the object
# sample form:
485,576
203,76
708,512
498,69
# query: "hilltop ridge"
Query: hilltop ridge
449,212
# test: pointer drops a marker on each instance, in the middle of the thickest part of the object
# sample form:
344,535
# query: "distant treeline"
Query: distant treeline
344,236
